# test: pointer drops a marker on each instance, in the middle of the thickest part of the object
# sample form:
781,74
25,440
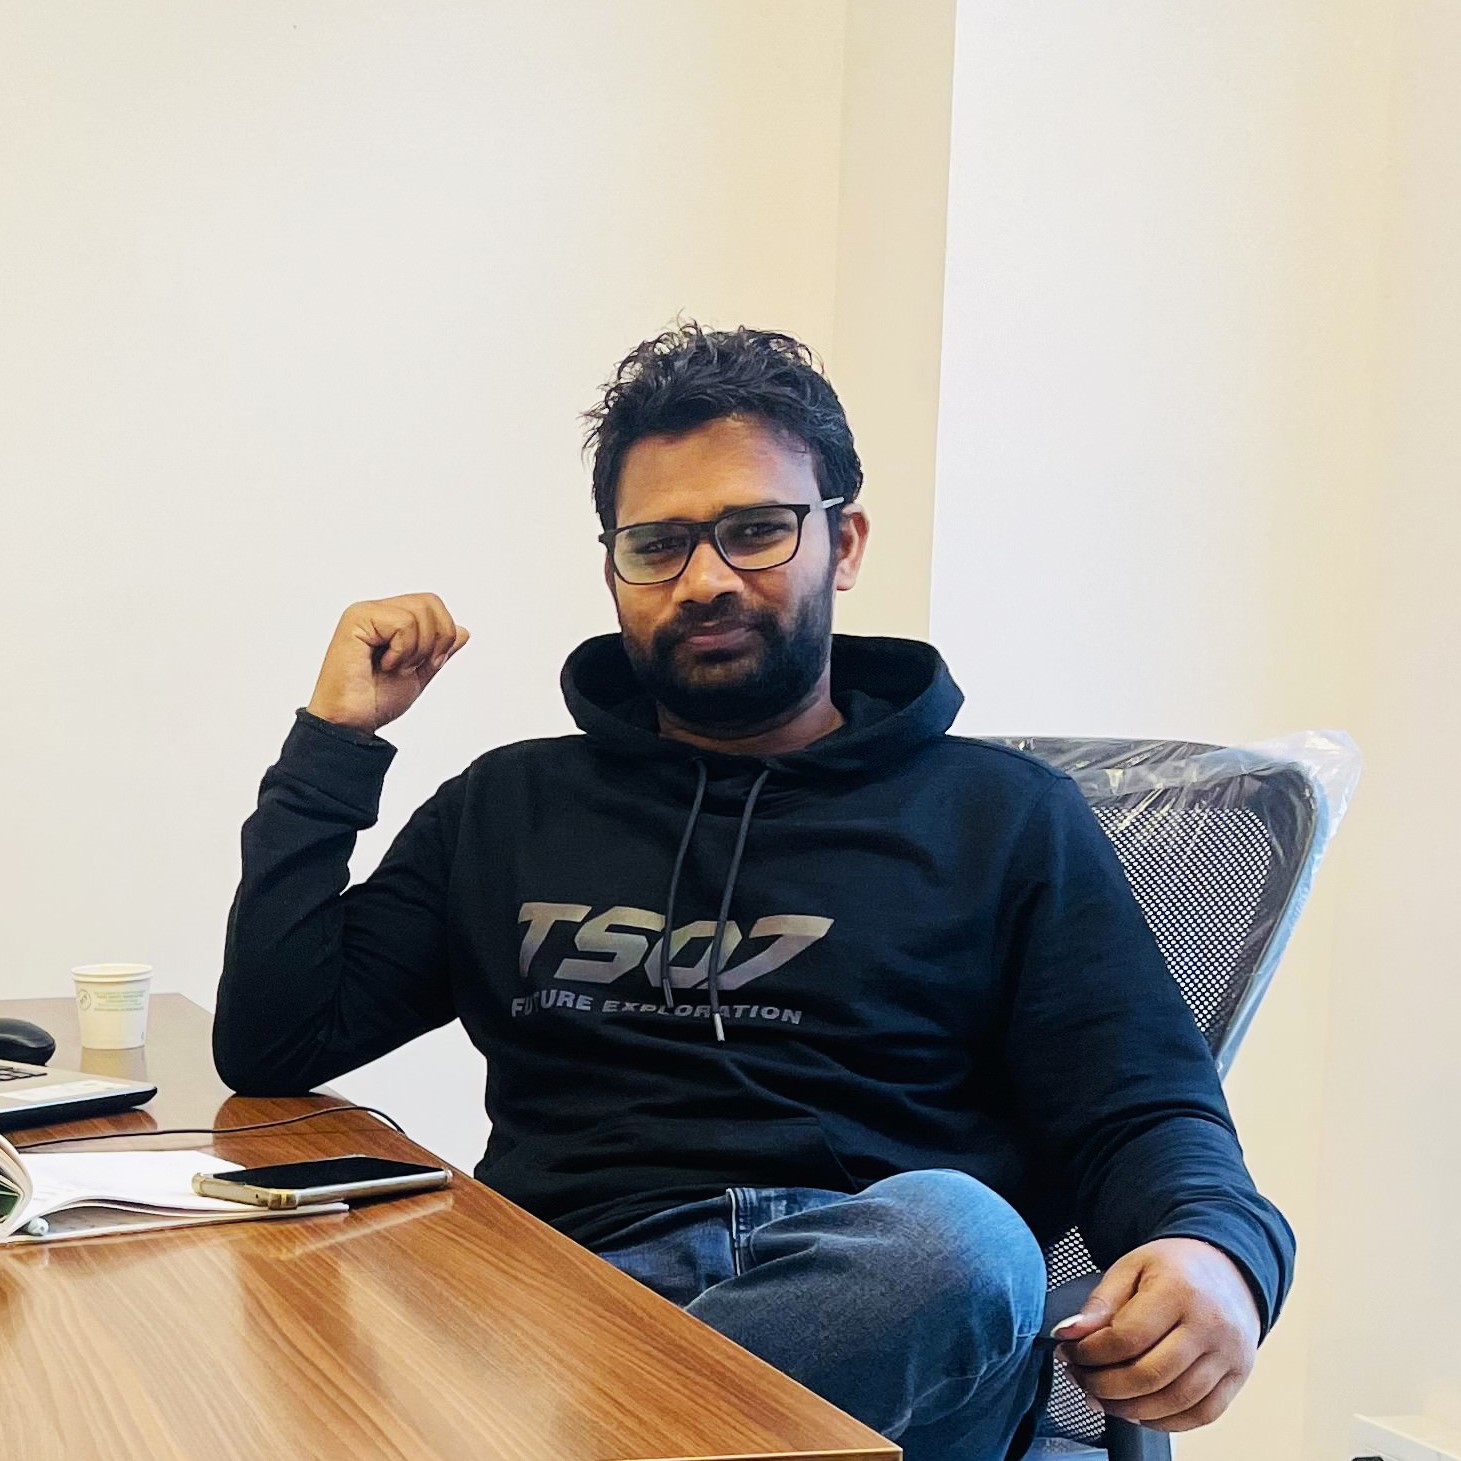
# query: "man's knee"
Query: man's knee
962,1245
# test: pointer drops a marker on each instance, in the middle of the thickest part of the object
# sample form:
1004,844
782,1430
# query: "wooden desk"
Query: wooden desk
445,1325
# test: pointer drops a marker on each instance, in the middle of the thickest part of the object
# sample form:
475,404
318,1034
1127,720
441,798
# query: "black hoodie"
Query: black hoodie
894,949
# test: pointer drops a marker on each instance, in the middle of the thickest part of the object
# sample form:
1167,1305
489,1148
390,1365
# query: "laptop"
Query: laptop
35,1095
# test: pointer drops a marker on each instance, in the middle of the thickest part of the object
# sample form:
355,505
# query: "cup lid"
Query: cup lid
111,971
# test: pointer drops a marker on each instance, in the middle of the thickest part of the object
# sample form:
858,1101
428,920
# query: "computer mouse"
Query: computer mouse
25,1043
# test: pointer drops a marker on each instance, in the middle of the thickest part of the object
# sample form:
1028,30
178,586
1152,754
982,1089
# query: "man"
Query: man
811,1016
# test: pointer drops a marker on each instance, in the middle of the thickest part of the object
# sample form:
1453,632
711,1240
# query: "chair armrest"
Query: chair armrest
1128,1442
1124,1441
1066,1301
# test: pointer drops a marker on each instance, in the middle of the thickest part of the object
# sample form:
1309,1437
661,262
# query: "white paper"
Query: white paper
150,1179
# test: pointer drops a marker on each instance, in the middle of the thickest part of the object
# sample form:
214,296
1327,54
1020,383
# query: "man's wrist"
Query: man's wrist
354,734
1244,1271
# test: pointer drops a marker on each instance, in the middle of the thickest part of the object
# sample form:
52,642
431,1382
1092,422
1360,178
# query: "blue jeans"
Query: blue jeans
912,1305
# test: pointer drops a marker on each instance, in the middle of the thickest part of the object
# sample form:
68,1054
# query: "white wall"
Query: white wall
1384,1337
1196,478
896,94
298,305
1157,323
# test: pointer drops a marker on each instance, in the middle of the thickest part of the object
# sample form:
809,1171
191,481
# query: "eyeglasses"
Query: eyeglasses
747,538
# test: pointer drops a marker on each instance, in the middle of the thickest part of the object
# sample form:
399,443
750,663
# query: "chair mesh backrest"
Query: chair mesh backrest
1200,874
1215,862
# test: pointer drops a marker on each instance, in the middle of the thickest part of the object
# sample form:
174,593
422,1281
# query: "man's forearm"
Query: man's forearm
317,980
1184,1177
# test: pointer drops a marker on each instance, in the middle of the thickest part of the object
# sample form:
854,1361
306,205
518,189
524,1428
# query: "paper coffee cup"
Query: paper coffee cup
111,1004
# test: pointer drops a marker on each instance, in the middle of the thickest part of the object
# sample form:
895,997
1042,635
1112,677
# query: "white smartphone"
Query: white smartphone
327,1179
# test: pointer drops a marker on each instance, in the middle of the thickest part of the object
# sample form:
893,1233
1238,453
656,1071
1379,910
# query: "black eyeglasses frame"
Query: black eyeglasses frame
700,531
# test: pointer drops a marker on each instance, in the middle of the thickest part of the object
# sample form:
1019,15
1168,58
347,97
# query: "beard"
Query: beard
737,689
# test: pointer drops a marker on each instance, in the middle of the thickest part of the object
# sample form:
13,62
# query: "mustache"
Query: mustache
697,619
702,619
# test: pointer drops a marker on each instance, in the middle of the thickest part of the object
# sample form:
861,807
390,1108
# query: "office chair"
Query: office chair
1220,846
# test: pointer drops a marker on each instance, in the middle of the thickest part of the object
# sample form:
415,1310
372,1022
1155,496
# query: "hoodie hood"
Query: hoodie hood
894,695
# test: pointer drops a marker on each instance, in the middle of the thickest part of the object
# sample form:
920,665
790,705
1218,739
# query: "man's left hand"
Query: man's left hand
1167,1337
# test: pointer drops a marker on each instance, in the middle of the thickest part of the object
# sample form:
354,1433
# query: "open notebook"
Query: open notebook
86,1194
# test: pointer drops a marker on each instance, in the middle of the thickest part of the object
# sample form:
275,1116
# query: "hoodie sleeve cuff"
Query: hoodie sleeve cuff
346,766
342,732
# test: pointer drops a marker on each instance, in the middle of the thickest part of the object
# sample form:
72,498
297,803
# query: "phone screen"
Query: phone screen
326,1172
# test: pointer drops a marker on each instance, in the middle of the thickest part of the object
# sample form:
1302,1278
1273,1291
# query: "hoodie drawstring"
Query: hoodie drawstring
664,943
718,942
725,902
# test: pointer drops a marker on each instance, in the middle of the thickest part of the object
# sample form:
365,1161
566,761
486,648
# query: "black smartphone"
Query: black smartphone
327,1179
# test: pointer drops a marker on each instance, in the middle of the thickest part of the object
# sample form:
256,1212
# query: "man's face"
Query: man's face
717,646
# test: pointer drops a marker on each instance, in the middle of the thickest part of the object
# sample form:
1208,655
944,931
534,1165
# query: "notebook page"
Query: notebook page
161,1180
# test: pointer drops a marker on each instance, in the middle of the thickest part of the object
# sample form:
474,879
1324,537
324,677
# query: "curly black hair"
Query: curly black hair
688,376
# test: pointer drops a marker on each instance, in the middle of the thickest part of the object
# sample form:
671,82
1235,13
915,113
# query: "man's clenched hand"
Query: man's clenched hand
1167,1337
384,654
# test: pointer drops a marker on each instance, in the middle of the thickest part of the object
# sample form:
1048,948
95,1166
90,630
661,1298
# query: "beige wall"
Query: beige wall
1388,1283
1196,476
300,303
896,94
